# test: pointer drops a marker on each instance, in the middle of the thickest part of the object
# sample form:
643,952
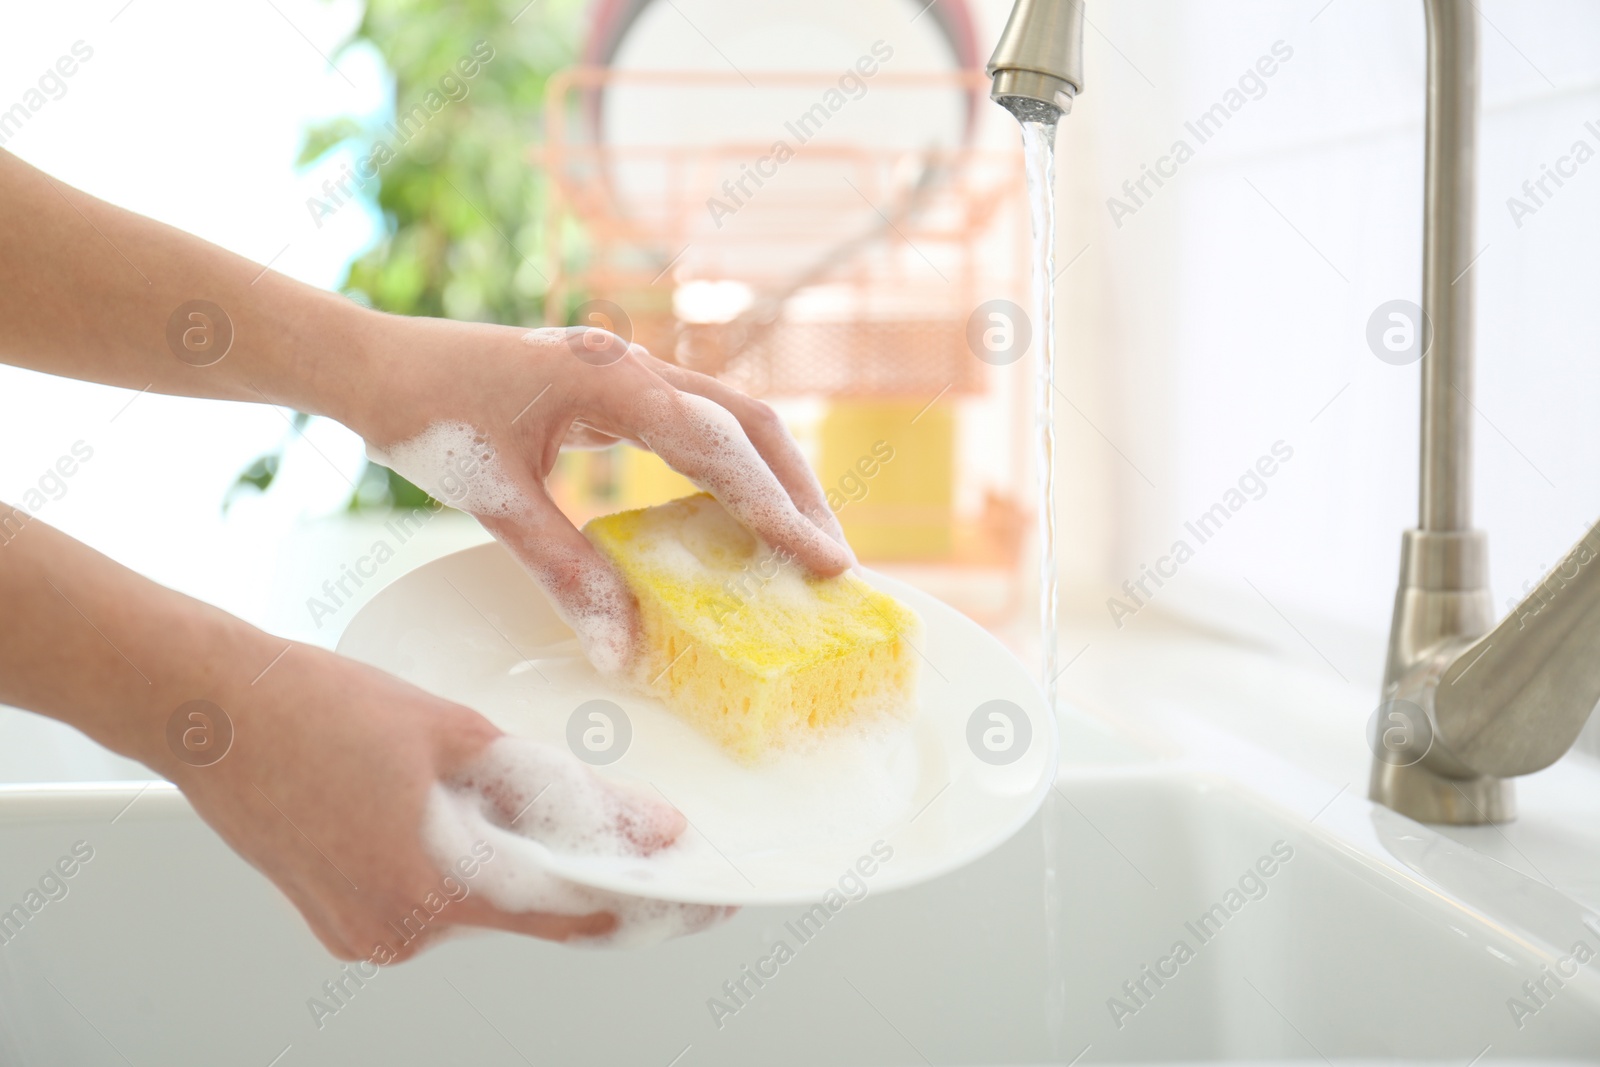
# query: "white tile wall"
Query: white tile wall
1238,300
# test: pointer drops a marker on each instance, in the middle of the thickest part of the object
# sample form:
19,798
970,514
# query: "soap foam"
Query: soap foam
591,598
456,464
529,801
709,441
605,621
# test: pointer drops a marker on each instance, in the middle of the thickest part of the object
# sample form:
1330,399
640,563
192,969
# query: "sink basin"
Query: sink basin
1334,935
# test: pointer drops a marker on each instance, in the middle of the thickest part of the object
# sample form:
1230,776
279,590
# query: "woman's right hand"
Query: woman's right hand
339,775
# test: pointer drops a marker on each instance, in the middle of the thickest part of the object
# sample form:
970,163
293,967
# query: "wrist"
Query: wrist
345,380
316,351
197,706
365,392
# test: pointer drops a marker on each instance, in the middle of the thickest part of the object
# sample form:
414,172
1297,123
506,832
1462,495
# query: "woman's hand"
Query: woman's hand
515,394
389,816
359,795
476,415
346,786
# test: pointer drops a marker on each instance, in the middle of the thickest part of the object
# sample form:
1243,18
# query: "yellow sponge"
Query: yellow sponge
743,643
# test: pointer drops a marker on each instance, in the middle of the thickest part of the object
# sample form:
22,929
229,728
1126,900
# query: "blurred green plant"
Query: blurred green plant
462,204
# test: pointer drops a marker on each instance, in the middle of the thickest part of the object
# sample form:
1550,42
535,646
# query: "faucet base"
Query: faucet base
1442,605
1419,793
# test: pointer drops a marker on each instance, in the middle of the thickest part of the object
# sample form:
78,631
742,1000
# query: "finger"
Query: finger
586,591
770,437
704,442
623,921
544,793
538,924
648,821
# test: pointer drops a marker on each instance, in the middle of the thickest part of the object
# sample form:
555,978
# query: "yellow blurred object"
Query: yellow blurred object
588,482
850,281
743,644
645,479
888,468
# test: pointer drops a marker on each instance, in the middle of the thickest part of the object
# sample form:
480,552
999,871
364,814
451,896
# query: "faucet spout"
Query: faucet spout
1038,65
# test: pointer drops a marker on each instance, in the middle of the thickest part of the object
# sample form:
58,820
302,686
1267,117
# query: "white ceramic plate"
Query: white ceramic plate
896,807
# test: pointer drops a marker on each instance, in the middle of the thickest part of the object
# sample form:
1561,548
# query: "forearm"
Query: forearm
87,291
87,641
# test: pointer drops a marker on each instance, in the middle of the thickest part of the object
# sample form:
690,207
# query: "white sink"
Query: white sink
1377,940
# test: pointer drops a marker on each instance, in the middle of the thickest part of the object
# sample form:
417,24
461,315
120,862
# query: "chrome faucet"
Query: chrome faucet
1037,67
1468,704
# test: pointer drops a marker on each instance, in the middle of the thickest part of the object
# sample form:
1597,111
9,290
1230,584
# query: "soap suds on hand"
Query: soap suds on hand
704,442
456,464
588,596
530,800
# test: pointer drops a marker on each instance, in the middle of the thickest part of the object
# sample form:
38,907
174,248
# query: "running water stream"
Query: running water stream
1039,149
1039,146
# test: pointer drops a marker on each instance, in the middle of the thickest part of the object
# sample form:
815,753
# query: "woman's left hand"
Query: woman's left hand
476,414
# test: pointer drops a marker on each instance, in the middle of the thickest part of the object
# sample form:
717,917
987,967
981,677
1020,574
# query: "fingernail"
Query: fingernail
844,548
826,521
